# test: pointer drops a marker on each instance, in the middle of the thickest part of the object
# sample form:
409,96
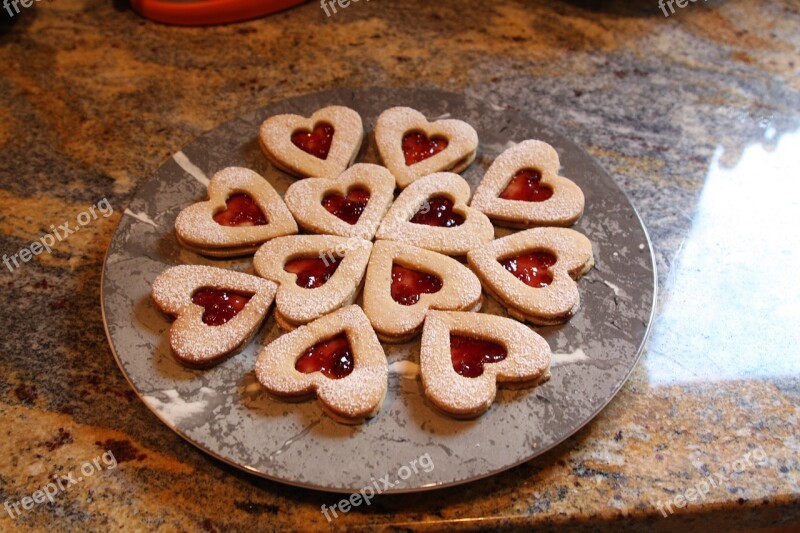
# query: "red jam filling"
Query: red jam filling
220,305
525,186
334,358
240,210
417,147
532,269
348,208
438,211
469,355
317,142
408,284
313,272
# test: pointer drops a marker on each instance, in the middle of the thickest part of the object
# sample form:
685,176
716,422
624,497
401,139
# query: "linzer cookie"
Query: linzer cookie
351,205
465,356
404,282
411,147
217,311
533,272
432,213
322,146
242,212
337,356
522,189
316,274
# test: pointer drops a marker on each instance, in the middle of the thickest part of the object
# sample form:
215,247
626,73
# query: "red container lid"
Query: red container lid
208,12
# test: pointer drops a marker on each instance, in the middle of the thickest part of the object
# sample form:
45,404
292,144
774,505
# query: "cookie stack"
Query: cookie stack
407,241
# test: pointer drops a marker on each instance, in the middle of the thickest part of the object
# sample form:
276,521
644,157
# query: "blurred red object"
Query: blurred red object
208,12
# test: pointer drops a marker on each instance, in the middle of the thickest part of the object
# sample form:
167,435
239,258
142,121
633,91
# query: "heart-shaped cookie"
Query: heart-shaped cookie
465,356
411,147
351,205
217,311
432,213
533,272
242,212
338,356
316,274
322,146
403,282
522,189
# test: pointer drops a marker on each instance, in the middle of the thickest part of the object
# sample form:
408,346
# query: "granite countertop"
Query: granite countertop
696,116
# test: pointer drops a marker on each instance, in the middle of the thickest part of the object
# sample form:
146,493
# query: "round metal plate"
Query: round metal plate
225,412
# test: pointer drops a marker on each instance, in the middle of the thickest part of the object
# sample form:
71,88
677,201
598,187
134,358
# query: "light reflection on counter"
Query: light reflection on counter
731,305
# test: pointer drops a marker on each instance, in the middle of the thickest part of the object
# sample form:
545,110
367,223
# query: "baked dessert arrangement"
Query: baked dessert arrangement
423,257
242,212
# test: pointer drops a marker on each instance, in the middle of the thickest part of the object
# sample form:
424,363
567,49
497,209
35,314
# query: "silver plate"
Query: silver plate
224,411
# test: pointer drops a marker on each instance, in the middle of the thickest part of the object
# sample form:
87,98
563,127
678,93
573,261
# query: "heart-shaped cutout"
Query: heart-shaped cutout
470,354
465,356
323,145
411,147
418,147
316,142
217,311
532,268
438,212
526,186
403,282
522,189
337,356
533,272
432,213
348,208
409,284
219,305
333,357
312,272
352,205
242,212
316,274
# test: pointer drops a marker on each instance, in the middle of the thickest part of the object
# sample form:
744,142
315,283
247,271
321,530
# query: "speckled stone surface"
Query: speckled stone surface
695,116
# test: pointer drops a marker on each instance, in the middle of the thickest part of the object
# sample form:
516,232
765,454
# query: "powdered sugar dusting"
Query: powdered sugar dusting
353,397
553,304
563,208
192,340
527,360
461,289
